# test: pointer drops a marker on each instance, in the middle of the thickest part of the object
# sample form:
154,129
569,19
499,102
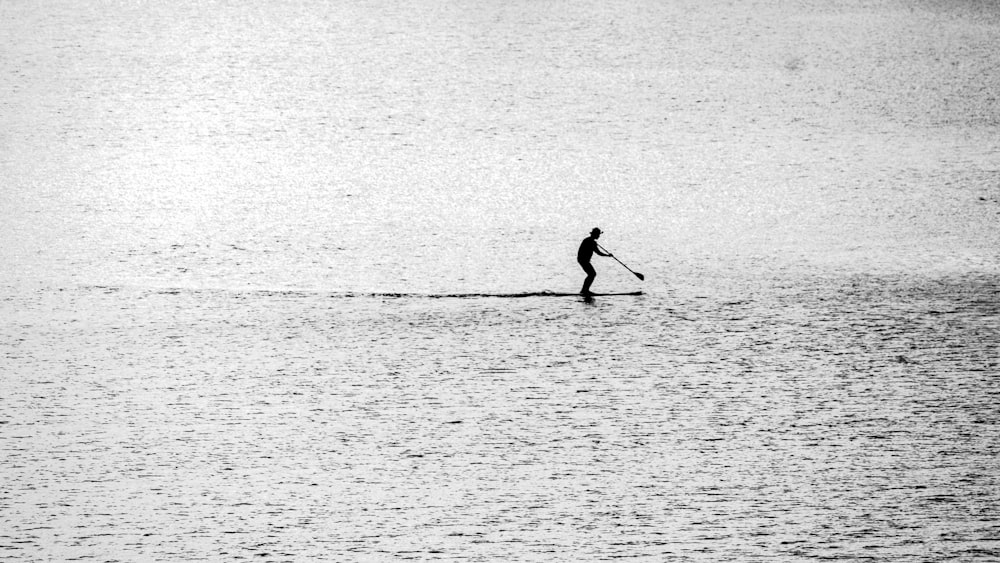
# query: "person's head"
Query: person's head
596,233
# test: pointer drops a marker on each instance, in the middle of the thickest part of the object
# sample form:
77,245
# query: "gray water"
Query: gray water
257,261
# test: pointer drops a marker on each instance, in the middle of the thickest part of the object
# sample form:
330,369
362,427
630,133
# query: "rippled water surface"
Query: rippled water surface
280,281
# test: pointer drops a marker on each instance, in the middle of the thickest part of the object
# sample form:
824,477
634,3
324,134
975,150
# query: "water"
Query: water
249,252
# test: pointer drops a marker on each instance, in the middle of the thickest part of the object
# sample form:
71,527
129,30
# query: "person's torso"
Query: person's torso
586,251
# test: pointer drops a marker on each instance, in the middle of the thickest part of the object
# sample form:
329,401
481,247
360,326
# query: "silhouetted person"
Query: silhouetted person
587,249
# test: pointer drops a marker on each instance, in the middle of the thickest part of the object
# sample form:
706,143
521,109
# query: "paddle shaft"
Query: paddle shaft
638,275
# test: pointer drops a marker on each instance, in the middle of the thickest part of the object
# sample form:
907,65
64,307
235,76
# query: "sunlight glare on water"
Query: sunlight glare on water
288,281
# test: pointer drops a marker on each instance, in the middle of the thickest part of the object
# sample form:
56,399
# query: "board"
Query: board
493,295
553,294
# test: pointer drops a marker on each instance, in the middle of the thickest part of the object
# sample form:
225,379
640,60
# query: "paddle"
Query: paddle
637,274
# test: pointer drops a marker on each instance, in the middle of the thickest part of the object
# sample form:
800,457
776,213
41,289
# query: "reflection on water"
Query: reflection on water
222,224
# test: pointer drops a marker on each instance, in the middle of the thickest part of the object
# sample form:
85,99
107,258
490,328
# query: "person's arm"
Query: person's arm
600,251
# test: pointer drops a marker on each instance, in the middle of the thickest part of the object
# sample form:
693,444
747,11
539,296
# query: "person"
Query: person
587,249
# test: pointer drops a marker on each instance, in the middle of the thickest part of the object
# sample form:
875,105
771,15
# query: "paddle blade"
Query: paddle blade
640,276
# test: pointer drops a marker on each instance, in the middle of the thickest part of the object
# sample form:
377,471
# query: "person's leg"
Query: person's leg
591,274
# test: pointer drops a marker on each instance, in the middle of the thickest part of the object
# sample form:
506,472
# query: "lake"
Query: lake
260,262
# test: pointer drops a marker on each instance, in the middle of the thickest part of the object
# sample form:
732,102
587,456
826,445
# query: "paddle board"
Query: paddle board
533,294
497,295
581,295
